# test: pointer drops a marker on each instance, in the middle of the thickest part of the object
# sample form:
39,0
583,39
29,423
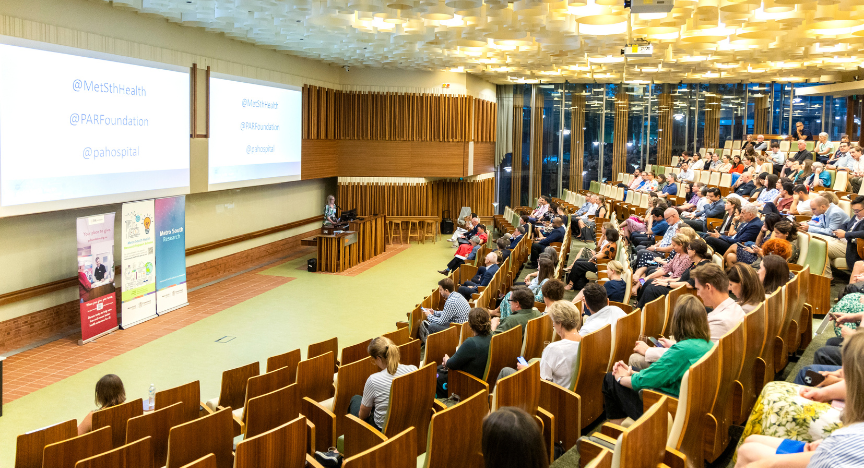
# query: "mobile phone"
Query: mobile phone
521,360
656,342
831,314
642,280
813,378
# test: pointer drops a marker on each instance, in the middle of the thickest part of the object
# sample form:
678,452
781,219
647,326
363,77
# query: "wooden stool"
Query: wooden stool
428,230
391,226
413,226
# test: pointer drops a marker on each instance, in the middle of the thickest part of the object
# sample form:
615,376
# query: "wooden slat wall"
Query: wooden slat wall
712,121
619,142
577,141
351,115
516,171
664,130
537,148
760,121
418,198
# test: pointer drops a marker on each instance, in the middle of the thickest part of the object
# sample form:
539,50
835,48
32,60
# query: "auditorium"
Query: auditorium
431,233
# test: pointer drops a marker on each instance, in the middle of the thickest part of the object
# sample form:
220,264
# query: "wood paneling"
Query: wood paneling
319,159
485,115
484,158
619,143
418,199
516,164
664,130
537,148
577,141
712,121
379,158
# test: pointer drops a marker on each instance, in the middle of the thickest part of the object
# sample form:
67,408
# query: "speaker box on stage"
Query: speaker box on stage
446,223
312,265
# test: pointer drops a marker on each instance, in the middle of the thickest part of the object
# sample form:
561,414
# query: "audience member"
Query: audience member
695,191
468,222
512,439
542,208
773,273
819,178
655,222
503,250
686,173
455,311
747,231
697,251
484,276
783,242
470,234
802,154
856,168
674,268
577,279
745,252
517,236
109,392
670,188
463,252
849,311
782,201
744,187
745,285
522,307
471,356
596,306
800,201
841,154
689,326
376,392
851,230
616,289
827,218
534,282
713,209
557,235
552,291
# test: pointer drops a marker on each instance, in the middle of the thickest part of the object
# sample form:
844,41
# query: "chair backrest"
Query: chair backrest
642,444
698,389
66,453
626,334
791,293
675,160
356,352
398,451
188,394
315,377
207,461
156,425
521,389
411,398
136,454
538,332
730,347
714,179
399,336
773,322
455,434
209,434
591,364
727,144
672,301
359,436
350,381
440,343
115,417
282,447
803,240
725,180
271,410
784,145
840,180
504,348
266,383
289,360
233,391
654,317
744,388
409,353
817,255
323,347
29,446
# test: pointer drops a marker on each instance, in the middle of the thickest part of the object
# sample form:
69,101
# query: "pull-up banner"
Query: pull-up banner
139,263
171,254
98,305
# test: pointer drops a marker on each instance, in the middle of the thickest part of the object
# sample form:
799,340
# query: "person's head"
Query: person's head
736,160
445,287
502,243
773,272
800,190
98,261
614,269
780,247
688,232
714,158
745,284
594,297
525,219
844,139
713,194
858,206
775,146
672,178
748,213
807,168
686,154
746,159
785,230
605,227
657,213
480,321
545,268
770,220
481,228
557,221
385,353
760,138
671,216
553,290
799,126
110,391
771,181
696,157
819,205
560,210
521,299
856,152
823,137
331,199
475,240
612,235
712,285
786,189
844,147
830,196
491,258
475,221
565,316
541,200
697,249
512,439
521,229
637,173
553,207
802,145
689,320
733,205
685,166
724,159
853,373
744,178
661,179
749,137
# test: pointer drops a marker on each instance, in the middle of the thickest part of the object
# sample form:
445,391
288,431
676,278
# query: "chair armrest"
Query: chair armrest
650,397
588,451
438,406
310,438
360,436
674,458
324,422
401,324
238,423
611,430
464,385
548,431
204,410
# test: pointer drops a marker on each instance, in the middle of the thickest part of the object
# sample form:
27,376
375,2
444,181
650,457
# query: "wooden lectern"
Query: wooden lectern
340,251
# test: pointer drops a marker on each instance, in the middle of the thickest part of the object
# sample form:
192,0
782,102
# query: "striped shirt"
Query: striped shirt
455,311
376,393
843,448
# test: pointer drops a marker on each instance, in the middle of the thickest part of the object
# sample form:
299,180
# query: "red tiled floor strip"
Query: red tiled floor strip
37,368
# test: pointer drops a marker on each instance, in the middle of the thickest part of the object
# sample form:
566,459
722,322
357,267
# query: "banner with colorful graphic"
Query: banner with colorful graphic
139,263
171,254
98,306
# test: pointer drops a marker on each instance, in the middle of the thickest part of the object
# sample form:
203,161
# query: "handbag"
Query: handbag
441,382
329,459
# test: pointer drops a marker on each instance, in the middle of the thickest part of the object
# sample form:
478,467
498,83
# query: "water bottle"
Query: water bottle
152,396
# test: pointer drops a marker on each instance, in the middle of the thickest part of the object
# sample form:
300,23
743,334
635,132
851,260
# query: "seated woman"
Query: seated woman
819,178
373,404
793,426
585,253
736,167
773,273
778,247
675,267
471,356
587,227
109,392
511,438
748,254
465,252
805,172
744,284
697,251
576,278
725,166
615,287
534,282
559,358
689,325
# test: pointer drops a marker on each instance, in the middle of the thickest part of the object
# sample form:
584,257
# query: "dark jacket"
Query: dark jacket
488,274
746,190
853,232
557,235
748,234
802,156
471,356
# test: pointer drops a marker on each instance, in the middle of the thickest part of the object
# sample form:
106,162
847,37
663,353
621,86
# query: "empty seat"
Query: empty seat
156,425
66,453
29,447
211,434
136,454
115,417
282,447
233,388
189,395
455,435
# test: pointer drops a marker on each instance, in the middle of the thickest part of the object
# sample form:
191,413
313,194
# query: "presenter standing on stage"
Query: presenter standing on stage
330,218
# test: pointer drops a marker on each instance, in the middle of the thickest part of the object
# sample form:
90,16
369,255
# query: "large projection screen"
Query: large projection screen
81,128
255,132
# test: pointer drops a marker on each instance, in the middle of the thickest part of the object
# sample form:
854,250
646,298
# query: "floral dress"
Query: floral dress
782,412
329,212
534,286
850,304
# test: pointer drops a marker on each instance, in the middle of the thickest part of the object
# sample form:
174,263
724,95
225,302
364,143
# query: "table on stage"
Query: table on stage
340,251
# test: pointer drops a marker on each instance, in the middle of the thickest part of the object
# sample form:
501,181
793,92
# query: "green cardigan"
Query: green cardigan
515,319
665,374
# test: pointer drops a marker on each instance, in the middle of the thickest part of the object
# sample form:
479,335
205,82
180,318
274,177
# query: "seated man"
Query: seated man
698,220
744,187
783,200
503,250
841,153
748,230
472,231
522,310
599,312
540,244
656,225
517,236
553,291
465,253
484,276
827,218
777,158
542,208
686,173
455,310
637,174
800,201
671,188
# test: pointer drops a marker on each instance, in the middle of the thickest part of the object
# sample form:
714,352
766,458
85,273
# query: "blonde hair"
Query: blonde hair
853,372
687,232
681,240
565,314
615,266
830,196
387,350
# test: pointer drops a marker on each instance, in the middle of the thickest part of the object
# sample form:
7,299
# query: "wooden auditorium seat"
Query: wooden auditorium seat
261,385
323,347
411,397
233,388
399,451
626,334
66,453
654,317
289,360
409,353
155,425
440,343
504,348
591,364
315,377
360,436
744,388
188,395
281,447
455,435
115,417
731,351
136,454
207,461
211,434
29,447
538,333
271,410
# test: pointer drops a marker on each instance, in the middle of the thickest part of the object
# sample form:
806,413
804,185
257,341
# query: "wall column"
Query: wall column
712,118
619,141
664,127
516,170
537,148
577,138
